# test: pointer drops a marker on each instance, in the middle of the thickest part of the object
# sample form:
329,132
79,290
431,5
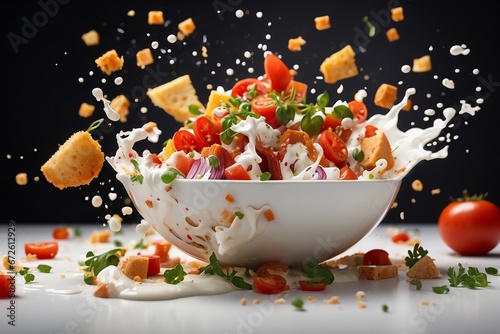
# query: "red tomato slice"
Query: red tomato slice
334,147
186,141
312,286
241,88
277,72
236,172
7,286
183,163
370,131
346,173
265,106
300,90
42,250
161,250
156,159
358,109
61,233
331,122
205,132
377,257
153,265
400,237
269,285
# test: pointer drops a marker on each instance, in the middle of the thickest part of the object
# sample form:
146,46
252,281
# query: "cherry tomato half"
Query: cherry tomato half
300,90
346,173
376,257
153,265
400,237
370,131
205,132
42,250
312,286
61,233
331,122
269,285
186,141
358,109
277,72
241,88
334,147
470,227
7,286
236,172
265,106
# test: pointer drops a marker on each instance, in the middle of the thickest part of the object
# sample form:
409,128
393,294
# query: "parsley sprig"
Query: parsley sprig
413,257
96,263
174,275
27,273
214,268
471,278
316,273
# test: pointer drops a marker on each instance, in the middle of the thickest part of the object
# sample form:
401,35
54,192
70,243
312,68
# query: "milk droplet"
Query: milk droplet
110,113
127,210
448,83
96,201
155,45
229,71
118,81
247,54
80,79
114,224
143,227
430,112
456,50
171,38
112,196
259,14
406,68
340,89
239,13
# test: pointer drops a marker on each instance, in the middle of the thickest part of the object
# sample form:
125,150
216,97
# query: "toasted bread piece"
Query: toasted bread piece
340,65
77,162
121,104
374,148
175,97
386,96
424,268
215,100
86,110
392,35
91,38
155,17
135,266
272,267
377,272
322,22
397,14
110,62
187,27
144,57
422,64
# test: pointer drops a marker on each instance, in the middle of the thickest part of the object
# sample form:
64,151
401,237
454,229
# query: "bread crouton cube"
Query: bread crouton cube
91,38
155,17
120,105
21,179
386,96
397,14
135,266
86,110
377,272
187,27
425,268
77,162
375,148
422,64
340,65
100,236
322,22
102,291
295,44
392,35
408,105
110,62
144,57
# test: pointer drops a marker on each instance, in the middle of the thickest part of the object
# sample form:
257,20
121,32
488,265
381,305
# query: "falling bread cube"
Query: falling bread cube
340,65
386,96
375,148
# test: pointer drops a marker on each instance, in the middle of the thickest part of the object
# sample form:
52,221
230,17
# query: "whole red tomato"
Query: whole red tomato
470,225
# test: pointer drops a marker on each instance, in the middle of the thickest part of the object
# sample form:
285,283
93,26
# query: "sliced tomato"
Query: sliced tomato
312,286
42,250
183,163
370,131
334,147
61,233
217,120
242,87
277,72
205,132
331,122
265,106
156,159
377,257
7,286
346,173
186,141
269,285
300,90
400,237
153,265
358,109
236,172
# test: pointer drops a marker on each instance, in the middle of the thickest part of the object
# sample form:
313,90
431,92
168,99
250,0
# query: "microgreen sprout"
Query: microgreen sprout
413,257
95,125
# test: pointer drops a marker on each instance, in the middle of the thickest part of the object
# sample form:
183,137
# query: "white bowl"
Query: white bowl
319,219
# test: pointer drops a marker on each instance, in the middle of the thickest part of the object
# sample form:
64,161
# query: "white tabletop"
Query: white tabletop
71,308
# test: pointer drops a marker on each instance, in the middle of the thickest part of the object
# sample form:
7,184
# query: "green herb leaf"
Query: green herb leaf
88,278
322,100
140,245
442,289
358,155
285,114
96,263
28,278
239,214
213,268
95,125
417,283
299,304
170,175
174,275
78,232
44,268
137,177
265,176
492,271
118,243
370,26
472,278
342,111
385,308
24,271
316,273
417,254
194,109
311,124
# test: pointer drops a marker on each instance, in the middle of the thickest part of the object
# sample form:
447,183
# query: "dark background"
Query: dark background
41,93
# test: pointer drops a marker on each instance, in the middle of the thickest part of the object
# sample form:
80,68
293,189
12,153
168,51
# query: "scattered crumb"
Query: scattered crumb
256,301
91,38
436,191
86,110
392,35
311,299
397,14
144,57
22,179
332,300
131,13
120,104
417,185
280,301
361,304
100,236
110,62
155,17
322,22
187,27
243,301
422,64
360,295
295,44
